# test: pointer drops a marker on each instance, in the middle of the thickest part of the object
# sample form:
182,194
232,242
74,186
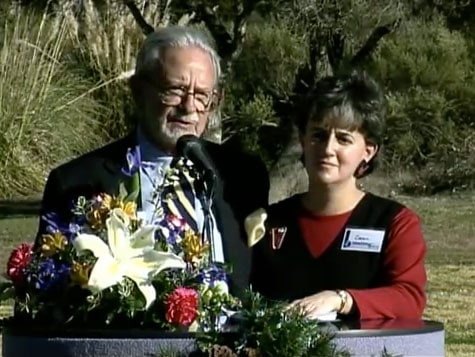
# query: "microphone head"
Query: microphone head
192,148
185,143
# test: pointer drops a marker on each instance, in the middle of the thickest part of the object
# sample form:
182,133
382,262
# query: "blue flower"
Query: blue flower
133,161
170,229
74,228
55,225
212,276
47,274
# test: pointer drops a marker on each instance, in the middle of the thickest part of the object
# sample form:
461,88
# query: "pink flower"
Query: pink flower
19,259
182,306
176,222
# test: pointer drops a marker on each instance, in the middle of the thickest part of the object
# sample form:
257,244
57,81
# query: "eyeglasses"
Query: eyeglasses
203,101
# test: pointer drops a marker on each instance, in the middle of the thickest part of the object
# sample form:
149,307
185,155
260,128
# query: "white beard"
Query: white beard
170,135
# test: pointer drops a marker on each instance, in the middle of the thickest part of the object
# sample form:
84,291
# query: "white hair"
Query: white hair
175,36
178,37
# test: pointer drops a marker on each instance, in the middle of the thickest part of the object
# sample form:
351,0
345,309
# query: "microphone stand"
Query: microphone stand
209,187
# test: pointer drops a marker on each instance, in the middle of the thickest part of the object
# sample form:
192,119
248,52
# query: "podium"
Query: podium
360,338
396,337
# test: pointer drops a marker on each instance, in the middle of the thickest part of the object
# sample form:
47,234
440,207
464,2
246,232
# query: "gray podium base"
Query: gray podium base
428,344
425,340
17,346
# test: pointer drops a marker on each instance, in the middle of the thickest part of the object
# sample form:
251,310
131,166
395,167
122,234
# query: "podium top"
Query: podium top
380,327
341,328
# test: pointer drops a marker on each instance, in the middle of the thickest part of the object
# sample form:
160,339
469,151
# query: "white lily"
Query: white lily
126,255
254,225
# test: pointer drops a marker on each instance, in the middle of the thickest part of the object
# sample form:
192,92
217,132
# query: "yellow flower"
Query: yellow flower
130,209
80,273
193,247
109,203
96,219
97,216
53,243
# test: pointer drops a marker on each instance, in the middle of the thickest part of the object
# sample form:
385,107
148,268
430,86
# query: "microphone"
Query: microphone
192,149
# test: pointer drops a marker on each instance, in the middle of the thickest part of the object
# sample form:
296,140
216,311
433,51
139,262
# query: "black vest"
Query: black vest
291,272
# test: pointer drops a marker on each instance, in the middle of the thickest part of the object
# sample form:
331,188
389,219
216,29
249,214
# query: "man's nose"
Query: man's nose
188,102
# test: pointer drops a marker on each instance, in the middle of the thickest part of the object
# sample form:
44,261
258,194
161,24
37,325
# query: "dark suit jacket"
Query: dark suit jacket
243,187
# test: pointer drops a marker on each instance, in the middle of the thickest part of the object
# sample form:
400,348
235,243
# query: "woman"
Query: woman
335,247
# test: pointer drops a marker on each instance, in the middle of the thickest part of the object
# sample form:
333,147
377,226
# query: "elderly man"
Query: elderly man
176,90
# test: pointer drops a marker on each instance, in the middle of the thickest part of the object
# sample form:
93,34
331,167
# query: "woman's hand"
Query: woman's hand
321,303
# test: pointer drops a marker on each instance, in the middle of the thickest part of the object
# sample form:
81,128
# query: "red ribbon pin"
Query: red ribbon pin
278,235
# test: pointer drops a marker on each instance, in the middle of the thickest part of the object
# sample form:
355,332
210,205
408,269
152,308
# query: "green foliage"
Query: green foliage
270,58
262,79
249,116
269,329
419,127
424,53
45,116
275,331
428,72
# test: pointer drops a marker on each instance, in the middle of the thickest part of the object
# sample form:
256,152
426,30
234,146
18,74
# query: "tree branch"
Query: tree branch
335,50
146,27
229,46
240,25
216,28
165,12
373,40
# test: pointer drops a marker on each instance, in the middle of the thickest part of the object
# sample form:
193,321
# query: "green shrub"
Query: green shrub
269,60
430,83
45,116
424,53
263,77
418,127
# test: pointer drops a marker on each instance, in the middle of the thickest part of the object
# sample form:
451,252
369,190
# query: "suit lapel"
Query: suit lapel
236,253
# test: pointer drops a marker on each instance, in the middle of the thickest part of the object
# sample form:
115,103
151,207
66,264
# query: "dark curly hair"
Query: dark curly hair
350,101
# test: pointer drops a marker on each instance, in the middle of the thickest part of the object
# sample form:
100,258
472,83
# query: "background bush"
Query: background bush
428,73
265,70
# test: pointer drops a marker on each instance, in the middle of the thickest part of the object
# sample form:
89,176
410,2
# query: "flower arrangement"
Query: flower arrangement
107,267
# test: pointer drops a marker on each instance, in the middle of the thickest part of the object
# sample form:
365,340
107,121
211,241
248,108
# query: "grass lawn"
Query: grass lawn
449,229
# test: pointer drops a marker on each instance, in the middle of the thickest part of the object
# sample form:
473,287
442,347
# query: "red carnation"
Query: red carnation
182,306
17,262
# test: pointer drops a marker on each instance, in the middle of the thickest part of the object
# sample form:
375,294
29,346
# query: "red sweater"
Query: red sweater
404,294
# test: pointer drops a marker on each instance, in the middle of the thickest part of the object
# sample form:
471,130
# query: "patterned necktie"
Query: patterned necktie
179,194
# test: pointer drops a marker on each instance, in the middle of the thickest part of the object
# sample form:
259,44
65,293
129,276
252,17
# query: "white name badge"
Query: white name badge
363,240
